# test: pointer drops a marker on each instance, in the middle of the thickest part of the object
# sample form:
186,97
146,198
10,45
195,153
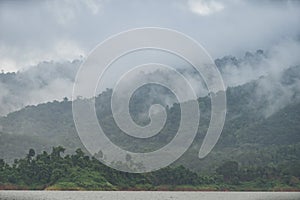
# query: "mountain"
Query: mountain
261,122
252,135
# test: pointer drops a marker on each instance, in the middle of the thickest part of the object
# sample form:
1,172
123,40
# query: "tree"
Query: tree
2,164
31,154
229,170
56,151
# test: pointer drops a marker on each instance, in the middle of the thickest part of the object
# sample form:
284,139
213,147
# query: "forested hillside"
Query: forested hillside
250,136
55,171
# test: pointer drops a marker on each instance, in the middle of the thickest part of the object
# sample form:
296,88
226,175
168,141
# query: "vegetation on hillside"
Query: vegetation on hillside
259,147
55,171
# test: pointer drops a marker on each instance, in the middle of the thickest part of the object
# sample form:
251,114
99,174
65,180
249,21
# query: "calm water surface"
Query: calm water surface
51,195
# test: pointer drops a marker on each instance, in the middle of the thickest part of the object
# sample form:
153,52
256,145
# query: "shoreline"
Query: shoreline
158,189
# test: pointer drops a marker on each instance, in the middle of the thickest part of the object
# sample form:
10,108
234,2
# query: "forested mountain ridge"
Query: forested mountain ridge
262,112
250,136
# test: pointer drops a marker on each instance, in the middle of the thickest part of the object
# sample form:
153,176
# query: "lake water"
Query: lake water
107,195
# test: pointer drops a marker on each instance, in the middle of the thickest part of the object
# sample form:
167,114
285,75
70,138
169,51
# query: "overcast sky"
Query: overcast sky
34,31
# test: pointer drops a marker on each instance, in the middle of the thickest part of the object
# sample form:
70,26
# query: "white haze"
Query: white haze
50,81
37,31
45,82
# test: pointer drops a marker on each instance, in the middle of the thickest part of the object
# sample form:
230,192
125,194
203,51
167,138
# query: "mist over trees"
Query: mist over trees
50,81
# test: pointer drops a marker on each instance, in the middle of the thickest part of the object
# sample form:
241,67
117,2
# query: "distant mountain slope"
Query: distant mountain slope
280,128
262,113
13,146
269,141
249,136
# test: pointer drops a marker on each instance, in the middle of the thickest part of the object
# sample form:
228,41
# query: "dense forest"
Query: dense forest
250,136
57,171
259,148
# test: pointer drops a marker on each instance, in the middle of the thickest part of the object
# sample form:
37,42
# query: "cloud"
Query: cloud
275,75
68,10
14,59
205,7
33,31
45,82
